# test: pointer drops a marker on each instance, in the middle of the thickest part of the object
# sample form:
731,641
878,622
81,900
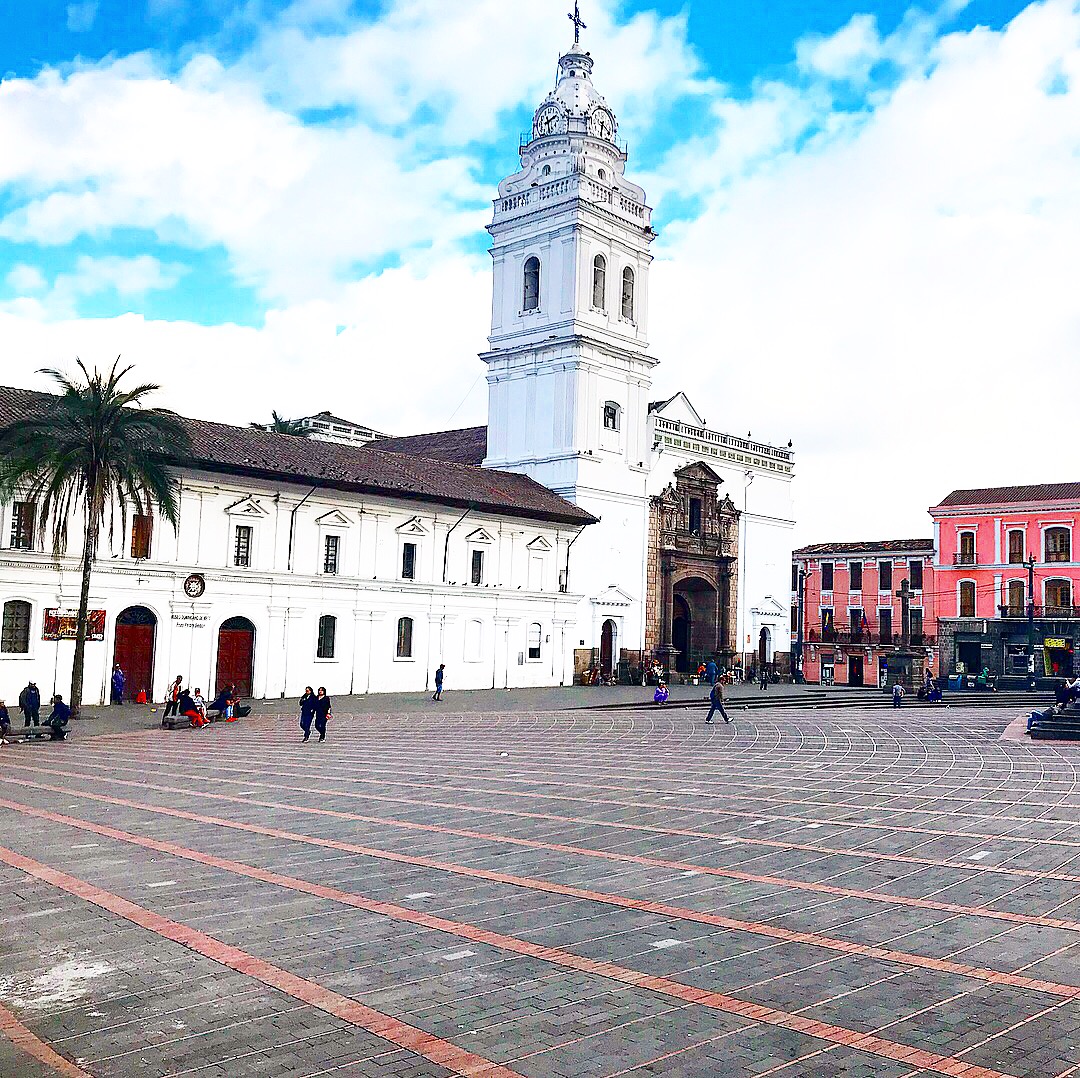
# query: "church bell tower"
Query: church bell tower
569,372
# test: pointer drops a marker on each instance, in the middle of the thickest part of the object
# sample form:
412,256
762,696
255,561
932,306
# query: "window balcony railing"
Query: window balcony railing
864,637
1057,555
1041,611
964,557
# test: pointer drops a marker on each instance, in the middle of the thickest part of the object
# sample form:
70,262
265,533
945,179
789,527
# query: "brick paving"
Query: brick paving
807,891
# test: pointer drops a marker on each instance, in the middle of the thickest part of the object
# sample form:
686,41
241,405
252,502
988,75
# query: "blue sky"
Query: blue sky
261,203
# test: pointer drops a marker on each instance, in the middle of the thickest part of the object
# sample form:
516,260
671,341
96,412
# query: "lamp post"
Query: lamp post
1031,622
748,478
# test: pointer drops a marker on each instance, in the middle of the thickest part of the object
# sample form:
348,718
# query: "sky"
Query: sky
869,215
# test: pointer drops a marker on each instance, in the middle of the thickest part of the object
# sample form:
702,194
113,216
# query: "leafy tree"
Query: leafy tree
95,447
280,425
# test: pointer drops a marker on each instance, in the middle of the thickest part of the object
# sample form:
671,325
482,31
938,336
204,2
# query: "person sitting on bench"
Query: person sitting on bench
58,718
189,710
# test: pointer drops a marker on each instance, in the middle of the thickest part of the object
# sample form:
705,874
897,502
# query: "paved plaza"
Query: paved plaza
806,891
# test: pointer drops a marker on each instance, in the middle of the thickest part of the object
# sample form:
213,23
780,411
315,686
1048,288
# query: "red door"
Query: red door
134,651
236,655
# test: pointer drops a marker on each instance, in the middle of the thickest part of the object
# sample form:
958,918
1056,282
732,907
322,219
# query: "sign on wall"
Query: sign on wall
62,624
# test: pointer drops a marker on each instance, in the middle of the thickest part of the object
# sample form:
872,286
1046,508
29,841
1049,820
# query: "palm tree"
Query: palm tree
98,448
280,425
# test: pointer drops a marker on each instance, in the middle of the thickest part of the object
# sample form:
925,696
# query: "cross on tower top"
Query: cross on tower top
575,18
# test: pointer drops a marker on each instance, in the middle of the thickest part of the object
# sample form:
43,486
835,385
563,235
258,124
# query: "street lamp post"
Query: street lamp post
748,478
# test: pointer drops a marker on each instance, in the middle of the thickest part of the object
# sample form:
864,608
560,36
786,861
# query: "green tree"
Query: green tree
280,425
98,448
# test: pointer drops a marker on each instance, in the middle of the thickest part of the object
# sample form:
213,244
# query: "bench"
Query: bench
45,732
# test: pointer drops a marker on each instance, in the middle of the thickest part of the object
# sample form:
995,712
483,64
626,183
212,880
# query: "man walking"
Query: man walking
764,676
897,694
172,705
30,704
117,685
439,681
716,702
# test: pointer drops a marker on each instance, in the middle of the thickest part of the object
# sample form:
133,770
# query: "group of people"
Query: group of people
30,706
315,708
182,701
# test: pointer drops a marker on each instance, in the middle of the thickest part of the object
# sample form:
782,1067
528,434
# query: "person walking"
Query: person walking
30,704
716,702
5,723
307,711
117,685
439,681
711,672
172,705
323,711
897,694
764,677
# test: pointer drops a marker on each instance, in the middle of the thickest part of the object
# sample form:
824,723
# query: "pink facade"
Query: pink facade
852,624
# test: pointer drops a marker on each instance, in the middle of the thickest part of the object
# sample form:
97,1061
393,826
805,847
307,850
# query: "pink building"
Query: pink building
853,630
996,550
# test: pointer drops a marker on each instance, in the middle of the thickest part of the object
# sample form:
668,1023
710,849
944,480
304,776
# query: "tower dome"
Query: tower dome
575,106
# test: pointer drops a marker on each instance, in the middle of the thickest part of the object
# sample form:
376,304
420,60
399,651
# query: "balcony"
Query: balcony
865,638
965,557
1051,612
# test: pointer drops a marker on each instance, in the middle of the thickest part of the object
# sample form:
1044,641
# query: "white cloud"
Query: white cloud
23,278
81,16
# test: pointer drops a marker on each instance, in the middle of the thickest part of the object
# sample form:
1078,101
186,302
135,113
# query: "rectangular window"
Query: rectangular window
478,567
404,638
828,626
1016,547
142,531
967,599
242,546
966,553
1016,606
22,526
611,416
915,567
408,561
916,626
826,576
15,631
535,632
884,618
695,516
884,576
855,620
794,619
794,578
327,634
856,576
330,555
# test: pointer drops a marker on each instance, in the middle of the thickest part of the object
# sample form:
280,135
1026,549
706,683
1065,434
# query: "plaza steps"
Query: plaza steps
1063,727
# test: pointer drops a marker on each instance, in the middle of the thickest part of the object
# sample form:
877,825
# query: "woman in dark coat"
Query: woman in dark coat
323,711
307,711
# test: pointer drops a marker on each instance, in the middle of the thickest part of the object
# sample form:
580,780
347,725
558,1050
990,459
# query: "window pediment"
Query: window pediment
334,519
247,507
539,545
414,526
480,535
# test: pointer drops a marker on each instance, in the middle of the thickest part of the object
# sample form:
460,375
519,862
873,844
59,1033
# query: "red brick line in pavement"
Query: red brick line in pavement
706,810
36,1048
611,971
870,855
447,1055
550,887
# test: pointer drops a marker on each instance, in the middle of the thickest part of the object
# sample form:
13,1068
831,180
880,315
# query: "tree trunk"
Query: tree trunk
90,541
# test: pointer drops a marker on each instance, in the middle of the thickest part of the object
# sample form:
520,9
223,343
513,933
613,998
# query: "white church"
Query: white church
588,525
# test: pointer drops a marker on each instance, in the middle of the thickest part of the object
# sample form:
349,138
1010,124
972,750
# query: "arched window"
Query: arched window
535,636
404,638
1058,599
1016,546
599,282
1058,544
967,598
15,634
327,635
965,554
628,294
1016,606
611,415
532,284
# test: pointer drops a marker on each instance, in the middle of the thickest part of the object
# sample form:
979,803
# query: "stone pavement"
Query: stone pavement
802,892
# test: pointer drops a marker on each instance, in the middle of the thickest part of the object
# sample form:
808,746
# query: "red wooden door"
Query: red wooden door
134,651
235,659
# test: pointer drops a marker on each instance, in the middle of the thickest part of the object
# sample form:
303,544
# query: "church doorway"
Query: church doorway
236,655
608,635
681,635
763,648
133,649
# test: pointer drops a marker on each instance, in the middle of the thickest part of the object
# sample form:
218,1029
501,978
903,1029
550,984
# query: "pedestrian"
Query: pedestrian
117,685
716,702
439,681
30,704
897,694
712,672
172,697
323,711
5,723
307,711
764,677
58,718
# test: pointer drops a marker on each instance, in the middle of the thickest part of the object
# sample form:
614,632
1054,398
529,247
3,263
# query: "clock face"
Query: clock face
602,124
195,585
549,121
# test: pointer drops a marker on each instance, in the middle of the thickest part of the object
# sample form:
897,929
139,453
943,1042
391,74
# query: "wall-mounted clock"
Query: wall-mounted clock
194,585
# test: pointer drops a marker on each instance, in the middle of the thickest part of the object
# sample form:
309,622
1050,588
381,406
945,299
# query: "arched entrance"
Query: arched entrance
236,655
680,632
764,656
608,634
136,630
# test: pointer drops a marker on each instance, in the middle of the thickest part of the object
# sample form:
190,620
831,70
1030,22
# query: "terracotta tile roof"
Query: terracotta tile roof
465,446
1037,492
883,546
244,451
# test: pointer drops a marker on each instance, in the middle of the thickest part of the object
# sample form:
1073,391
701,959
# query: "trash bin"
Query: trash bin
956,681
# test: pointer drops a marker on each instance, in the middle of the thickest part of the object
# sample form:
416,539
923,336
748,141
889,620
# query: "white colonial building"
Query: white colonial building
500,551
